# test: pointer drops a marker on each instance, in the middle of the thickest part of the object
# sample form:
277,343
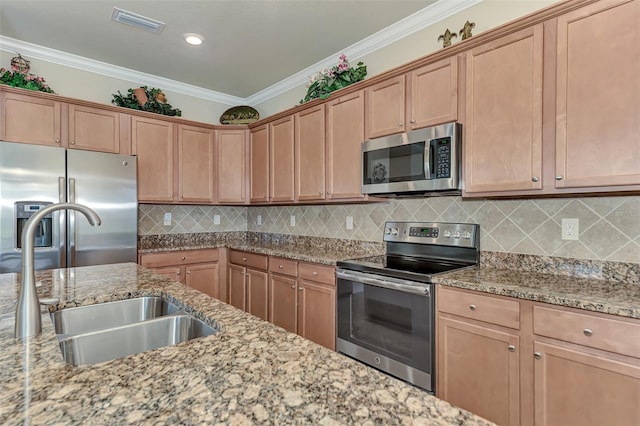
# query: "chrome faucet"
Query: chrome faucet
28,320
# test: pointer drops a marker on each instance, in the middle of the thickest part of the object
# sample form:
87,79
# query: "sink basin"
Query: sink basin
101,316
117,342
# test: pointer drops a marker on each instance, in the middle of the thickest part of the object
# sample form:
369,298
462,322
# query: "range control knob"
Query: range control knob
447,234
394,231
456,234
466,235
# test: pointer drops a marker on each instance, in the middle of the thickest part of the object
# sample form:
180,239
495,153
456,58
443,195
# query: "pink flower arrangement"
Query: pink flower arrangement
321,84
16,78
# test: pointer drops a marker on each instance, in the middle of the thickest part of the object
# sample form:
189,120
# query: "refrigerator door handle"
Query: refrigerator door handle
72,190
62,217
71,235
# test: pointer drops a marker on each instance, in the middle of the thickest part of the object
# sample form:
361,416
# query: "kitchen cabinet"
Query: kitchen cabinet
521,362
259,165
310,154
248,283
198,269
597,108
478,350
302,299
152,141
503,129
195,164
19,113
281,159
344,136
96,129
232,158
423,97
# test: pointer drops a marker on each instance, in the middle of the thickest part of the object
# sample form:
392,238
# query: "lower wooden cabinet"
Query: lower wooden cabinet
302,299
199,269
553,366
248,283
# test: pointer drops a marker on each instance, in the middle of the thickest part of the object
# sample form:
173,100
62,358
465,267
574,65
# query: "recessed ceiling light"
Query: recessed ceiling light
193,38
135,20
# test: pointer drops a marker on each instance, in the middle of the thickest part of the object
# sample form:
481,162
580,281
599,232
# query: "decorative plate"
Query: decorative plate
242,114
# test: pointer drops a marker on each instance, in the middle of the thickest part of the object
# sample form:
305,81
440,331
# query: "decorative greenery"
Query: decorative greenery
156,102
15,78
322,83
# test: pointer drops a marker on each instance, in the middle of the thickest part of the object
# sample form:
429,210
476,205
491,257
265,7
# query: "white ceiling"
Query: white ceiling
249,45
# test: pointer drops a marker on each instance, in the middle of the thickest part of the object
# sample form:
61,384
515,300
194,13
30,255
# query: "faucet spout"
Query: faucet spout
28,320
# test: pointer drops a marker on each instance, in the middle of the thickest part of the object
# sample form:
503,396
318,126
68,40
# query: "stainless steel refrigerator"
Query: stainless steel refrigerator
33,176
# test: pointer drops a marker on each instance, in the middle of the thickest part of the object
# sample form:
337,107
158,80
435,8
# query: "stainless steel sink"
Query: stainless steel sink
117,342
102,316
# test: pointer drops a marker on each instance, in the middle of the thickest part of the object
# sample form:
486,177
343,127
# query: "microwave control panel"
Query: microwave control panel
442,157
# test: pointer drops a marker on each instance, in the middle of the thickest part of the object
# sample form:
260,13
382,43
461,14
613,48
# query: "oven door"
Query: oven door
387,323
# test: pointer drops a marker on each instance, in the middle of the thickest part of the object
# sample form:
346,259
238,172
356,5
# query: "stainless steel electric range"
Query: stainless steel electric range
386,307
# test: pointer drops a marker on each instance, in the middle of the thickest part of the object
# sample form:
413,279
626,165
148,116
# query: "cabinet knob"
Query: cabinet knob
559,177
400,124
280,266
320,193
57,140
473,307
293,286
188,272
72,142
178,273
537,355
413,120
184,258
587,332
511,348
300,289
314,273
244,259
534,179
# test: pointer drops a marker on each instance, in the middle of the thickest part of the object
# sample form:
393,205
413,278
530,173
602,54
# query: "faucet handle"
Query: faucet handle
49,300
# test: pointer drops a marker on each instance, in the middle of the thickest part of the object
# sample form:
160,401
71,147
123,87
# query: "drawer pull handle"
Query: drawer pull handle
280,266
587,332
511,348
537,355
473,307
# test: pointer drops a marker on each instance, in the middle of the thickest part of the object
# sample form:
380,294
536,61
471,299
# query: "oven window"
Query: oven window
395,164
389,322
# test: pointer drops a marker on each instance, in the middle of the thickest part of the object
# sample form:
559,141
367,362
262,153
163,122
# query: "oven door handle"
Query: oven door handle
384,282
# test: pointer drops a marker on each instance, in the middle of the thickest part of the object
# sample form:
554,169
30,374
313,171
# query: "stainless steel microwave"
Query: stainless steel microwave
420,162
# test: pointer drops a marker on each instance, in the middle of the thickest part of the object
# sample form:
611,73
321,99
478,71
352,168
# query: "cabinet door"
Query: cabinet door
282,302
173,272
195,164
385,107
152,142
18,113
237,288
432,94
598,88
94,129
578,388
232,159
203,278
503,132
259,185
345,134
478,370
309,150
281,171
257,293
317,313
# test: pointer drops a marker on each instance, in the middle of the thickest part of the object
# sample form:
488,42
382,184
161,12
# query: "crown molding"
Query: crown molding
12,45
420,20
423,18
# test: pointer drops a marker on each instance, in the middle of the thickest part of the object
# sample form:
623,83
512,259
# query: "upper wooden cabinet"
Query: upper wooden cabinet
232,161
310,154
195,164
598,93
503,129
95,129
19,113
259,165
345,134
423,97
281,159
152,141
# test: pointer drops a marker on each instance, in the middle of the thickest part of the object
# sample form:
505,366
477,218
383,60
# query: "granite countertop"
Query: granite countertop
250,372
605,296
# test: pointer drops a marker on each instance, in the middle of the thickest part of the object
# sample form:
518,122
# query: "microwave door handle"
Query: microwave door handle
428,160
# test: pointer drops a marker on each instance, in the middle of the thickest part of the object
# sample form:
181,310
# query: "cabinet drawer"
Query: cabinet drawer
482,308
317,273
588,330
185,257
251,260
283,266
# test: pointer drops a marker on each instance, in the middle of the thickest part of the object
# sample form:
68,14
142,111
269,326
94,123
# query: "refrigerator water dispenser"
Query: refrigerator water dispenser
44,232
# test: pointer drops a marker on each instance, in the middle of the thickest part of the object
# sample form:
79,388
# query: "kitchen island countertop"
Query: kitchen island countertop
250,372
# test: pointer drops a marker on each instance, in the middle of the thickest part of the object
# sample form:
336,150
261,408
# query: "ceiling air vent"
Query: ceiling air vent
135,20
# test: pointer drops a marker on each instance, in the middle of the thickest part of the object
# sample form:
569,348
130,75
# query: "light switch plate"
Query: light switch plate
570,229
216,219
349,223
166,220
293,220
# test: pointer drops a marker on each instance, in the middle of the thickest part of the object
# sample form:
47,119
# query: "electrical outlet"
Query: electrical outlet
570,229
349,223
293,220
259,220
216,219
166,220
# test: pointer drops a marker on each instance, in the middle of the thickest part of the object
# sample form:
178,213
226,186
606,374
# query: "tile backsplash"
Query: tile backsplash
609,227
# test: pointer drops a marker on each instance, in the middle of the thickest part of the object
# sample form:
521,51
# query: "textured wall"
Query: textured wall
190,219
